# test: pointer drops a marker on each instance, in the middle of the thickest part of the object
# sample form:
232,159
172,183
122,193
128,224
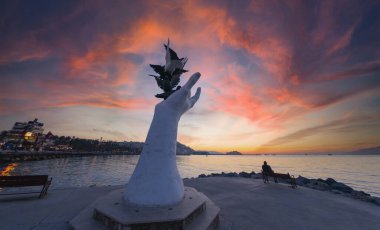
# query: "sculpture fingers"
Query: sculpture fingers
195,98
191,82
178,96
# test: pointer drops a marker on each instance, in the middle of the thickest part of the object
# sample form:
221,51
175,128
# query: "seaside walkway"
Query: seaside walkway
245,204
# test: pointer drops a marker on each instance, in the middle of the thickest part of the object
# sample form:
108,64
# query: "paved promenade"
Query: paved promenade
245,204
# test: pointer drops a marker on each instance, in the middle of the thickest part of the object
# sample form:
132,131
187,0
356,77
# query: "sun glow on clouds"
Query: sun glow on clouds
276,76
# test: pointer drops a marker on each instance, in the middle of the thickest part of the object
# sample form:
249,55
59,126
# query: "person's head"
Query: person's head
265,163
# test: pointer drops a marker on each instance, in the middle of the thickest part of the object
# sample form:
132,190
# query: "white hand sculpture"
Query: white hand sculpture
180,101
156,181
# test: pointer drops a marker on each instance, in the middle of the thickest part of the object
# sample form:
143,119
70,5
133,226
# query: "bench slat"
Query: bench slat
19,193
20,181
281,176
30,177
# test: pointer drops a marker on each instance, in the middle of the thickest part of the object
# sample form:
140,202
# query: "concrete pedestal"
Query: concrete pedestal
195,211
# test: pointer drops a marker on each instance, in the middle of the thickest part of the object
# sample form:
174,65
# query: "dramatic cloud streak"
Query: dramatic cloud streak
339,125
273,64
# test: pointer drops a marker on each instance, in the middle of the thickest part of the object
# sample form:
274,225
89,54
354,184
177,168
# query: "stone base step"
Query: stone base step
208,219
196,211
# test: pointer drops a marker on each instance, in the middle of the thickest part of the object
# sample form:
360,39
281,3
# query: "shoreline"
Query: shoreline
328,185
19,156
8,157
330,182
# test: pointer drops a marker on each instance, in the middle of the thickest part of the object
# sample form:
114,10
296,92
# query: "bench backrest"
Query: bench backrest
278,175
283,176
19,181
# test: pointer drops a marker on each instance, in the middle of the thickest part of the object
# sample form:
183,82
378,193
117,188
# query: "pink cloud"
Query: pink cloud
267,61
342,41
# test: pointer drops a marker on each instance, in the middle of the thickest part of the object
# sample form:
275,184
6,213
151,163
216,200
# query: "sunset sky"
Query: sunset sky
277,76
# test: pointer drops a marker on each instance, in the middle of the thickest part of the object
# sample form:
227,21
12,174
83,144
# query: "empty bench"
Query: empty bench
24,181
288,177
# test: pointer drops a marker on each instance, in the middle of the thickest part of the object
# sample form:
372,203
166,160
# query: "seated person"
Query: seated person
267,170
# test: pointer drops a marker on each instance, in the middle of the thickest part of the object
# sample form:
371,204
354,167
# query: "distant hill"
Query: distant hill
367,151
207,153
201,153
233,153
181,148
215,153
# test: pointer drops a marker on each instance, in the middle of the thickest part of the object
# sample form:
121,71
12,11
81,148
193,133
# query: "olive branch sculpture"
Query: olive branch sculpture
169,75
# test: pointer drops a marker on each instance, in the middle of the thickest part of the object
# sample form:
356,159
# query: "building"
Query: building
24,135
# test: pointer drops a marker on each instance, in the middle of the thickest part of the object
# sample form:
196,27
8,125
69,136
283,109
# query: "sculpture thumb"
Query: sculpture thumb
191,82
196,96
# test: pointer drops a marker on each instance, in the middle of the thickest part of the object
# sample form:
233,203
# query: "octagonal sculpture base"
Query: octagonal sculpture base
195,211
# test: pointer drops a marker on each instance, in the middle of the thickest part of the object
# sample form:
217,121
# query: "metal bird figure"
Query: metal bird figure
169,75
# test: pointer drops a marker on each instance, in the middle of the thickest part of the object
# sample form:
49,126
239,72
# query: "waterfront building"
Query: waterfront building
47,141
62,147
24,135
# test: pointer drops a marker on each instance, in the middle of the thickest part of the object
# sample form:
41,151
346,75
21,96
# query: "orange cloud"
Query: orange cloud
238,97
130,104
285,96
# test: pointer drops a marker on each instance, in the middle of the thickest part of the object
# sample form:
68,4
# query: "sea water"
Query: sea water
359,172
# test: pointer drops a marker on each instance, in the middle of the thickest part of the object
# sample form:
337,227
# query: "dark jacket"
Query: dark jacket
267,169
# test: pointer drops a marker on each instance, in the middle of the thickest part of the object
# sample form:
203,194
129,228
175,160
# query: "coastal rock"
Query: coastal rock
364,196
318,184
302,180
222,174
376,200
232,174
341,187
202,175
325,185
245,174
330,181
360,194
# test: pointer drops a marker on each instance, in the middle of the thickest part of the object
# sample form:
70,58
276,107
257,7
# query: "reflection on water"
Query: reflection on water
360,172
7,170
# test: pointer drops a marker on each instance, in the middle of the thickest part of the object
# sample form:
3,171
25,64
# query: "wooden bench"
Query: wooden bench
288,177
23,181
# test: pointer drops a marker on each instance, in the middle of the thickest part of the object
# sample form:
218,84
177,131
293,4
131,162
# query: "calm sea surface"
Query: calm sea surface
359,172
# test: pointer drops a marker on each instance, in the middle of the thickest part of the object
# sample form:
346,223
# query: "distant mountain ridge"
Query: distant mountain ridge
367,151
184,149
181,148
233,153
